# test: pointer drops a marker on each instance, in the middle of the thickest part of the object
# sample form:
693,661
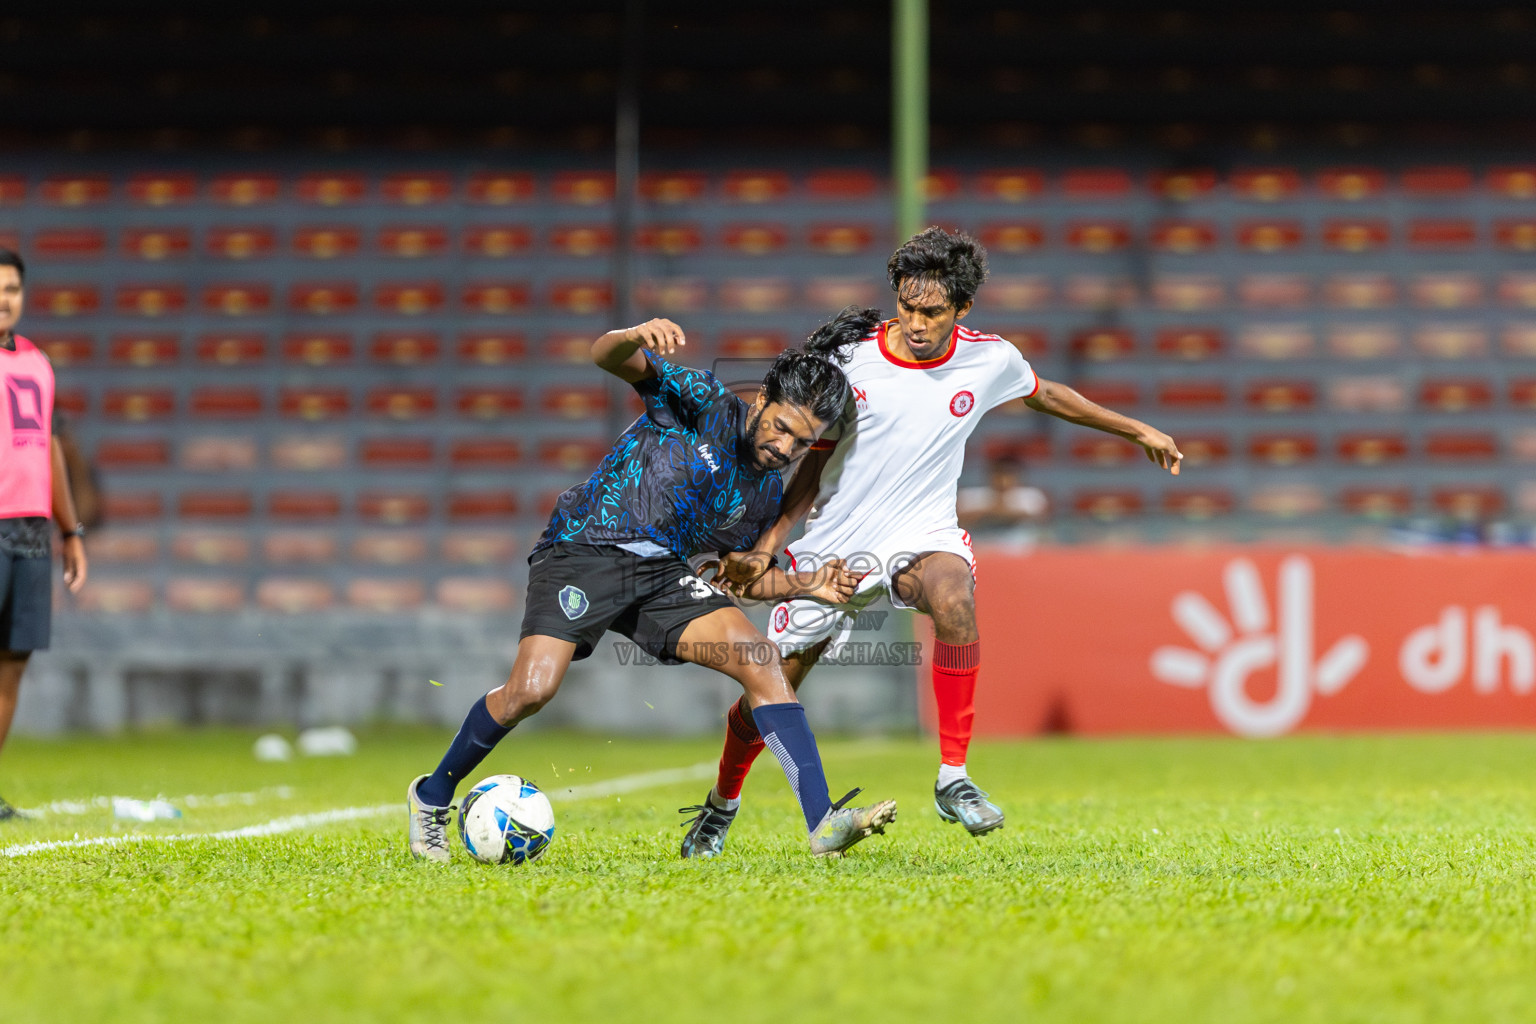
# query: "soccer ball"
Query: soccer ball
506,818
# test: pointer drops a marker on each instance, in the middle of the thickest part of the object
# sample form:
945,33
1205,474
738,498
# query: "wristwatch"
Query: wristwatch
78,531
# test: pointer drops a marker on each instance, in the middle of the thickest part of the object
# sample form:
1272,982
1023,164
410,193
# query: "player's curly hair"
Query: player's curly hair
809,381
954,261
848,328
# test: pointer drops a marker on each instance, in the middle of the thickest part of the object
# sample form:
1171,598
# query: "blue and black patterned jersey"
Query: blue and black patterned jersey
681,475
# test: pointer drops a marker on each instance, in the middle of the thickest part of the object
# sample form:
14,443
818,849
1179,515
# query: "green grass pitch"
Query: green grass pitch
1309,879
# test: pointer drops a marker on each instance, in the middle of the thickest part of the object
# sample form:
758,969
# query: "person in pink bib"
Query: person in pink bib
34,487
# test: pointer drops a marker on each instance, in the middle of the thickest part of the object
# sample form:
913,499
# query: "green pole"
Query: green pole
909,112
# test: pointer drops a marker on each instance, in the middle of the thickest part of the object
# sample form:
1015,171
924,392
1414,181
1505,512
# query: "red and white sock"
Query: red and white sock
742,745
955,667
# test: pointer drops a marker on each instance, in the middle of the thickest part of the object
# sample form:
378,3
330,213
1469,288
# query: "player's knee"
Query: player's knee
954,611
522,697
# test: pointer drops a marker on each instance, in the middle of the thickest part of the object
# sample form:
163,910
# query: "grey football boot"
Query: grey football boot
842,827
429,826
962,802
707,829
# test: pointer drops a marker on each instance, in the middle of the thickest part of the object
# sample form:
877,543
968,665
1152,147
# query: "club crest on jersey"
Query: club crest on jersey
707,454
962,403
573,602
735,516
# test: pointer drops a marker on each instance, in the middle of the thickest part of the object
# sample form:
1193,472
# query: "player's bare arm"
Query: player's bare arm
743,568
1058,400
619,351
831,582
72,552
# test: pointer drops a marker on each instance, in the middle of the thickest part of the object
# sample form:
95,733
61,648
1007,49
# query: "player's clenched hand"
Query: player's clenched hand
740,569
659,335
832,582
1161,449
73,556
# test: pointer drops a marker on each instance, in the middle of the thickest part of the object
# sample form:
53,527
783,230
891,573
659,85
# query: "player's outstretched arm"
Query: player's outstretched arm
742,568
832,583
619,353
1062,402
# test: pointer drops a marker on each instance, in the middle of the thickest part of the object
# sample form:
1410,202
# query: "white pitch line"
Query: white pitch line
277,826
191,800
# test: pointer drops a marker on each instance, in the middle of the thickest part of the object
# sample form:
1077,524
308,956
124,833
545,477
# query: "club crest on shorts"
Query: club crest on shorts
962,403
573,602
781,618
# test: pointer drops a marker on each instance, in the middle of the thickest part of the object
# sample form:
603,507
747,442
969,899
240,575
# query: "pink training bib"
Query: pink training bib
26,427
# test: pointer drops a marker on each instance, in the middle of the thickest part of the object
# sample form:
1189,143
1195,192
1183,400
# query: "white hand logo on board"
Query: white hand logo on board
1228,657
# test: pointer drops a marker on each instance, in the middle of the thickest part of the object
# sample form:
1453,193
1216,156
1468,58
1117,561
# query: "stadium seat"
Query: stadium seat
489,403
237,299
394,507
1364,341
13,189
756,295
1030,450
753,344
118,506
1374,393
244,189
1187,395
574,402
396,453
1098,236
404,348
1115,394
580,240
1451,341
287,505
412,242
323,298
568,347
1519,235
572,455
133,453
1437,182
217,454
474,594
1376,502
1189,344
1446,291
1103,345
294,596
476,506
1280,395
1469,502
71,401
1371,449
941,185
214,505
204,596
64,350
669,239
485,453
385,595
408,298
1274,291
231,349
1095,292
670,296
1519,340
124,547
1096,183
309,453
1522,445
1183,237
159,190
76,190
318,348
1466,446
583,188
299,547
1282,449
499,188
116,597
1266,184
1199,504
1357,235
402,403
1455,394
1203,449
1013,238
840,239
842,185
1287,501
581,298
1442,235
745,186
1098,449
1270,236
1009,184
495,298
831,293
497,241
238,243
416,188
137,406
671,188
315,403
144,350
1107,505
331,189
493,348
1360,291
392,547
151,300
1522,393
225,403
67,244
482,547
62,300
1350,183
326,242
211,547
1518,289
1032,342
754,239
1182,186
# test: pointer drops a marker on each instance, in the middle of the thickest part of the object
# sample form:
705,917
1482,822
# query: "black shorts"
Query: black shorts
576,592
26,602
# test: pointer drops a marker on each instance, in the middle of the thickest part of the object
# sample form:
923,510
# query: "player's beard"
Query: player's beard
763,457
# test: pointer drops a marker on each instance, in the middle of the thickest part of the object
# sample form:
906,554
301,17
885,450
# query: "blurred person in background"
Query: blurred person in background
1004,502
34,488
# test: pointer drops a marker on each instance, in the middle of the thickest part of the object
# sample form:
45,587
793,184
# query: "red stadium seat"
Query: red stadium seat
1377,502
1274,291
292,547
1015,238
1473,446
1440,182
829,293
1280,395
62,300
755,239
390,548
485,453
66,349
1103,345
116,597
1522,393
404,348
1032,342
133,453
670,188
1518,289
1183,186
402,403
244,189
211,547
62,244
71,401
1192,394
1357,235
1198,505
218,454
495,298
226,403
144,350
1383,393
124,546
1098,236
214,505
412,242
162,189
204,596
331,189
1451,341
497,241
241,243
76,190
396,453
318,348
1371,449
1115,394
137,406
408,298
1519,235
13,190
842,185
495,348
1184,237
1269,236
1099,449
395,507
1266,184
1096,183
574,402
417,189
1282,449
304,505
583,188
1468,502
130,506
477,506
756,294
500,188
495,547
1019,292
672,296
580,239
152,300
840,239
1287,501
323,298
326,242
1190,344
1364,341
755,186
1360,291
753,344
487,403
1455,394
1107,505
1031,450
669,239
1351,183
1203,449
1009,185
582,298
237,299
1512,182
1455,290
294,596
473,594
572,454
385,595
1441,235
1519,340
231,349
315,403
1186,292
568,347
1103,291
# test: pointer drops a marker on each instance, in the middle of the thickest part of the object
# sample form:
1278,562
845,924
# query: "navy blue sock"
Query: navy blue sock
788,735
479,733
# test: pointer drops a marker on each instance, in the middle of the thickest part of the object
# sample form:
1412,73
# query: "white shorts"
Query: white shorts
803,622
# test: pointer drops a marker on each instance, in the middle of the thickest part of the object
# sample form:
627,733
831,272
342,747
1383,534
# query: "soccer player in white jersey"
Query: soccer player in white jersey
880,489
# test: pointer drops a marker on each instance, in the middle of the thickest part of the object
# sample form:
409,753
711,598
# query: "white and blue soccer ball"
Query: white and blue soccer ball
506,819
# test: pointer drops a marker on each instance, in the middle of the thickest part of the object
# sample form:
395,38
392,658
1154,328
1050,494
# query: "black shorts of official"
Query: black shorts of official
26,602
576,592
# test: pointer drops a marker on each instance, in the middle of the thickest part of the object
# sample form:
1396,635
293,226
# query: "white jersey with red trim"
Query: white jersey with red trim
889,486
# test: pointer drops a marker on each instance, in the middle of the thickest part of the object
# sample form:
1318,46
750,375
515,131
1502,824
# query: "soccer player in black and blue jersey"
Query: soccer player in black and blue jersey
698,472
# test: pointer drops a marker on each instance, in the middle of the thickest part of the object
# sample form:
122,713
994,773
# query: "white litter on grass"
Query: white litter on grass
272,747
334,741
143,810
